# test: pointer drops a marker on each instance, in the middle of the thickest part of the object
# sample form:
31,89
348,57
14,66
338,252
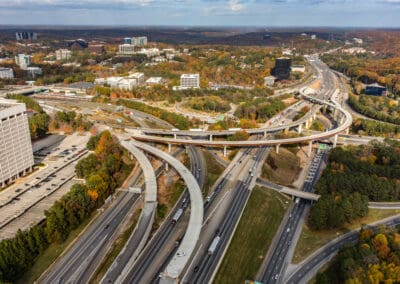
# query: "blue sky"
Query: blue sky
268,13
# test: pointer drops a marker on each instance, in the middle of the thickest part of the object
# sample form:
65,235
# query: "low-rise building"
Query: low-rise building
6,73
375,90
269,81
154,81
34,71
190,81
63,54
138,76
126,49
298,68
96,48
149,52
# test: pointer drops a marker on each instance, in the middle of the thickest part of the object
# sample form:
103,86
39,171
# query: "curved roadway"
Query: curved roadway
314,137
125,260
188,244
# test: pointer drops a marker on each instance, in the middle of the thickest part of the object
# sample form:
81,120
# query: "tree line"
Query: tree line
176,120
375,258
103,171
259,108
353,177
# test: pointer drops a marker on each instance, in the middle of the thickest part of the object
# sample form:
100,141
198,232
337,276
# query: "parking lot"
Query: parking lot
24,203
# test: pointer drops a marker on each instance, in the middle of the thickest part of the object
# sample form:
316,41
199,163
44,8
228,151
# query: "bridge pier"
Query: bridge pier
225,151
169,147
277,148
347,131
174,135
307,124
210,137
309,150
299,129
265,134
314,115
335,140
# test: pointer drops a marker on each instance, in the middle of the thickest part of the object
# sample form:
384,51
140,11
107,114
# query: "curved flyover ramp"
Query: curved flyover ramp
126,258
183,254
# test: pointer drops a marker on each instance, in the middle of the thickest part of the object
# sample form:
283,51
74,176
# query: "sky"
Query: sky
263,13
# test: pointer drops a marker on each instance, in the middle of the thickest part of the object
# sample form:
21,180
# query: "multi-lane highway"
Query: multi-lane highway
209,260
279,256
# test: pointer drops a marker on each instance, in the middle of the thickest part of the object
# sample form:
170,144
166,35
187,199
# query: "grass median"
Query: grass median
214,170
253,236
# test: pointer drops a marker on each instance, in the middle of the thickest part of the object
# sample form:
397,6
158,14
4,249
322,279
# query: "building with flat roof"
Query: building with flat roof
154,81
63,54
26,36
136,41
96,48
190,81
282,68
16,155
375,90
6,73
269,81
23,60
126,49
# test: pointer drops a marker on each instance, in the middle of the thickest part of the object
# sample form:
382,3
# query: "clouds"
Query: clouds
203,12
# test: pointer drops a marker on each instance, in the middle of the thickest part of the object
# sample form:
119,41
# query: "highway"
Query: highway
204,267
161,248
310,266
139,236
279,255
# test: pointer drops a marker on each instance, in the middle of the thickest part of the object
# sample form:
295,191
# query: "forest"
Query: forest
375,258
353,177
375,128
103,171
378,108
260,109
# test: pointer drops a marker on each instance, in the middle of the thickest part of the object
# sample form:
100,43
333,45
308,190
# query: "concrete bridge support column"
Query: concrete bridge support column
347,131
169,147
224,151
166,167
299,129
314,115
277,148
210,137
265,134
307,124
335,140
309,150
174,135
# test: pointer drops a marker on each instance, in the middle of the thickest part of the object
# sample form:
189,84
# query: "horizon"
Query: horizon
217,13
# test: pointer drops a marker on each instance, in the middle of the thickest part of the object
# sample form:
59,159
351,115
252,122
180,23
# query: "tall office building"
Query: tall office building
26,35
190,81
23,60
282,68
16,157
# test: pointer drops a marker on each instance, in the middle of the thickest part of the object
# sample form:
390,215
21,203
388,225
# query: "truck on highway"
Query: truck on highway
234,129
177,216
196,129
174,129
213,245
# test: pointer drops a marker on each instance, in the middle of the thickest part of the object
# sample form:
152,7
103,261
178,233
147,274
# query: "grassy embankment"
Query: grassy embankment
282,168
253,236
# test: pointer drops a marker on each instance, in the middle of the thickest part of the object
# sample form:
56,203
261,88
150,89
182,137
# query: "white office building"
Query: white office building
139,40
16,156
23,60
126,49
6,73
63,54
190,81
139,76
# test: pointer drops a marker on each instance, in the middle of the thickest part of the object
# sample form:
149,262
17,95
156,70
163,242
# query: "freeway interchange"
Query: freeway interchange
191,243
